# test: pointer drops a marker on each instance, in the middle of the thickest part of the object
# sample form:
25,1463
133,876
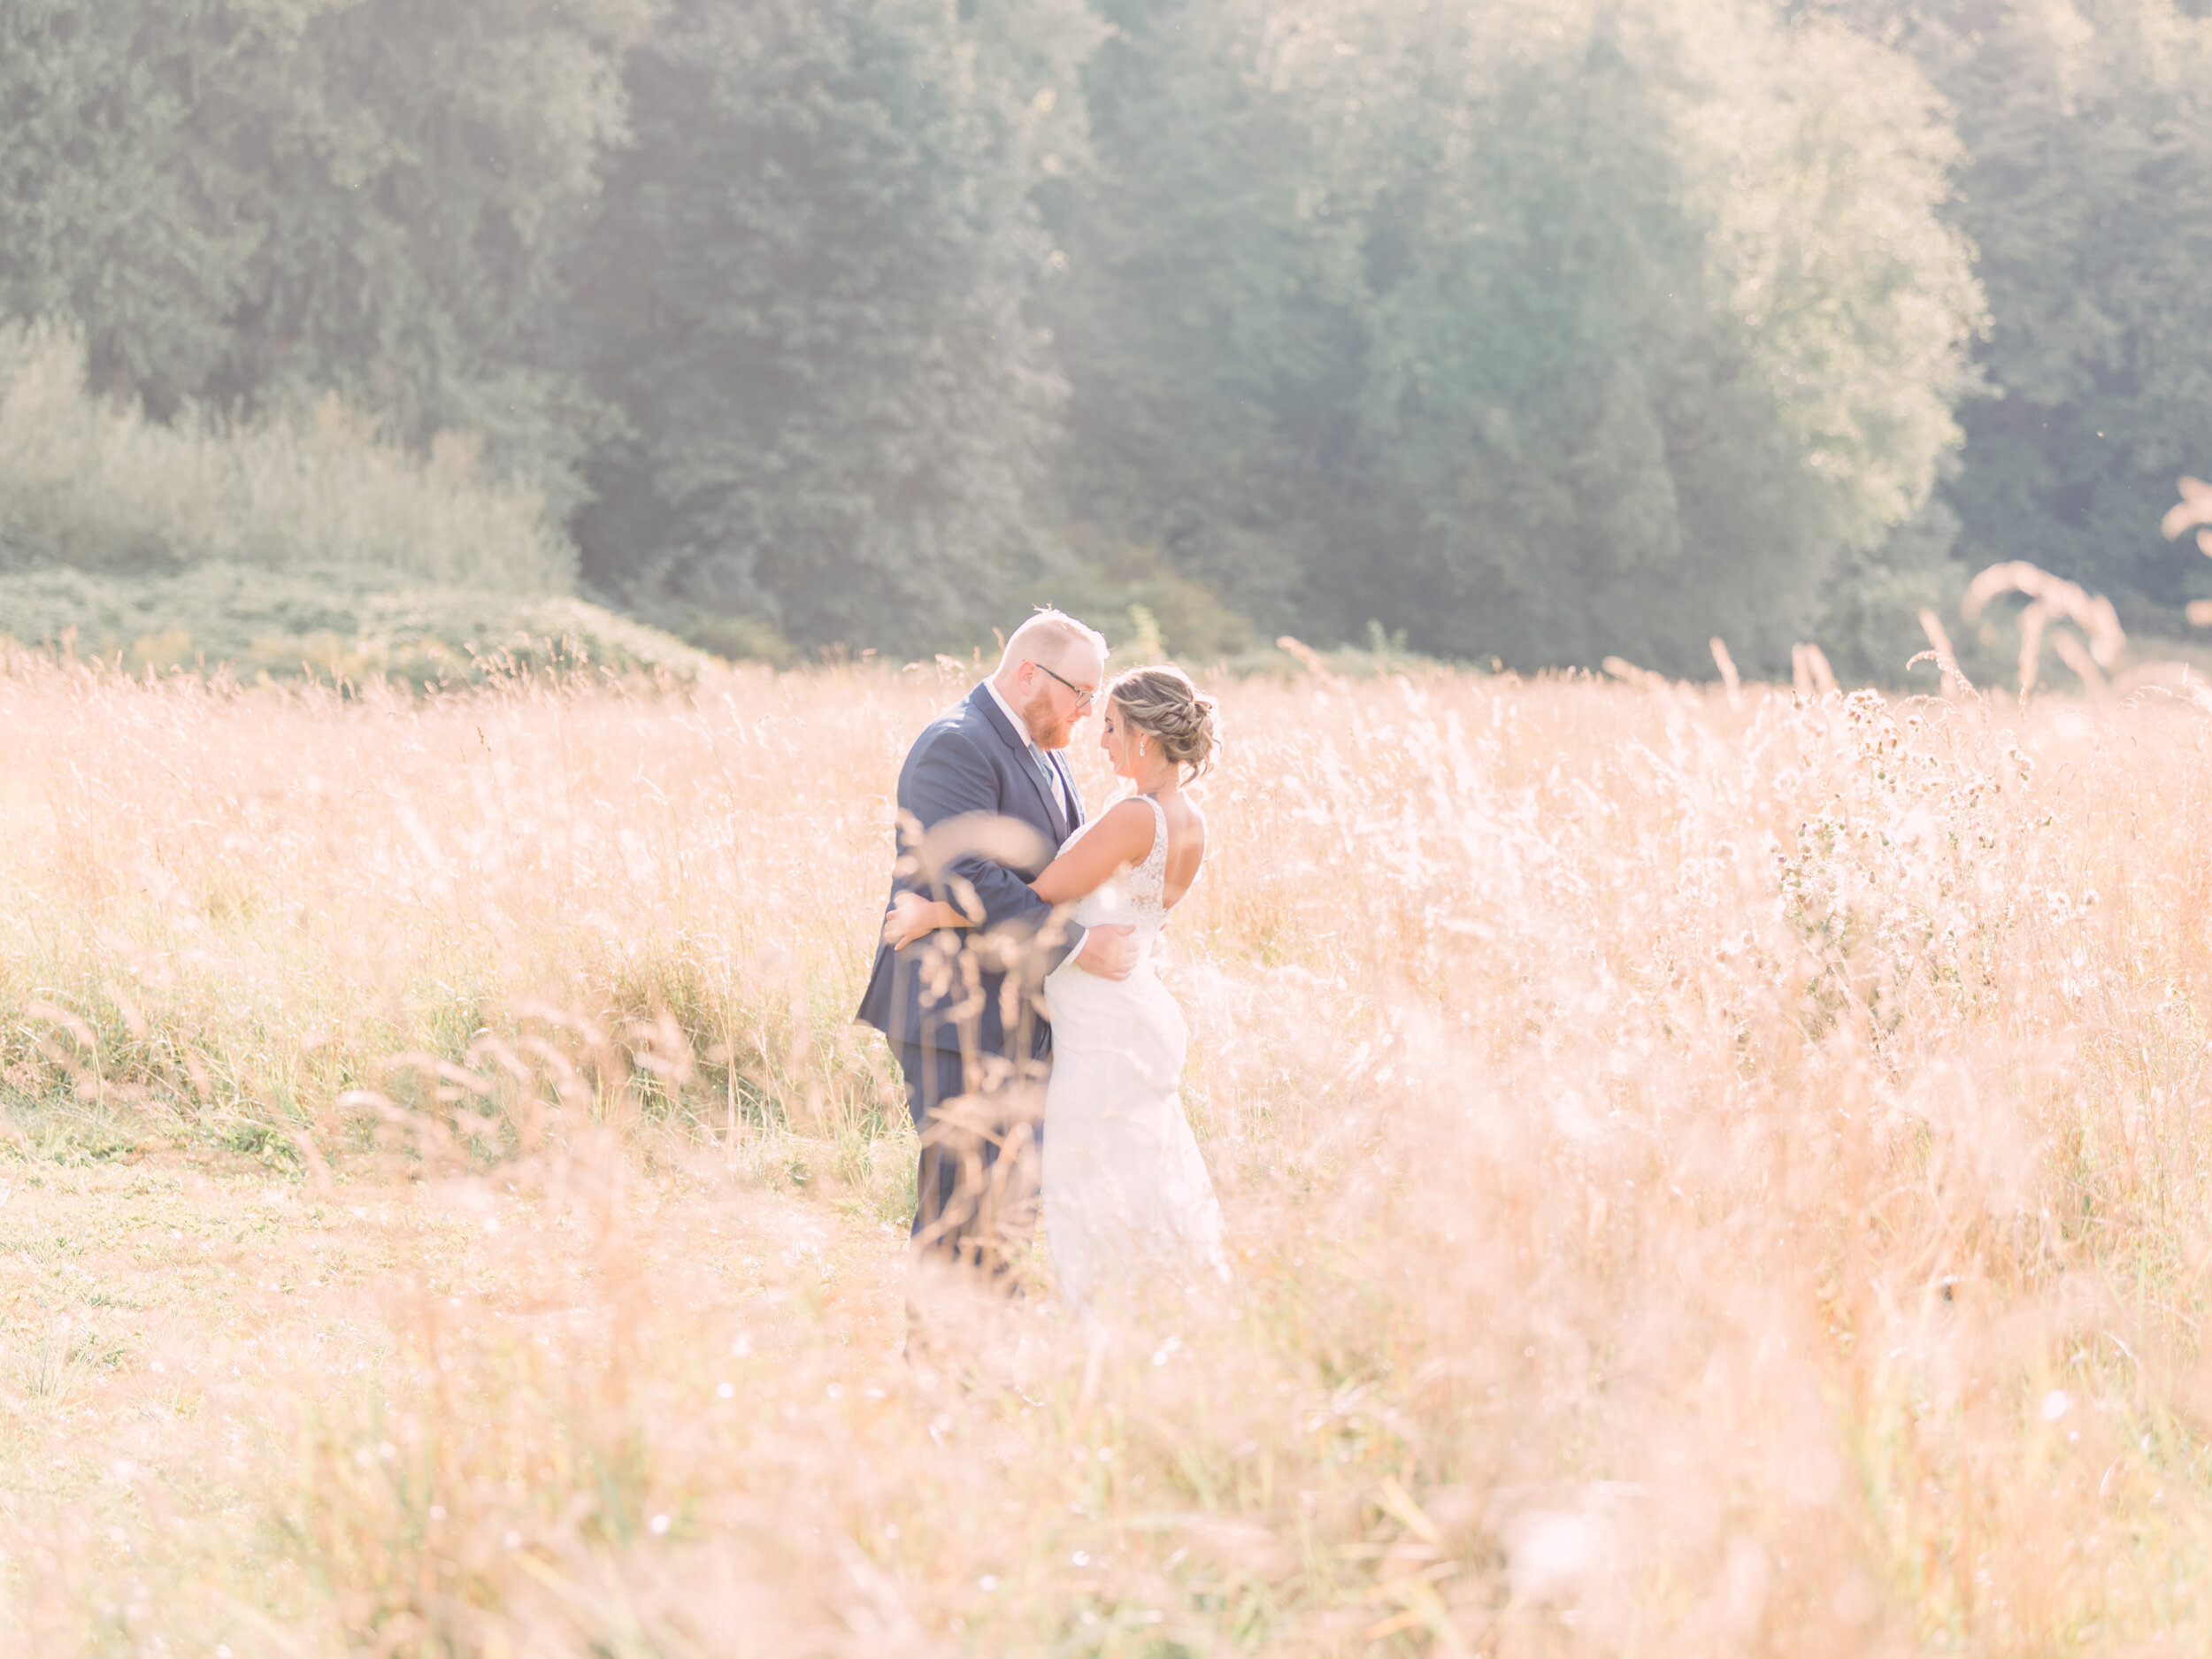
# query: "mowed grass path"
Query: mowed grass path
1704,1176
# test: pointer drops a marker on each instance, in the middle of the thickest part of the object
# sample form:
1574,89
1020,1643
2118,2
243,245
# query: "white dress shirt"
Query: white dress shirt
1046,768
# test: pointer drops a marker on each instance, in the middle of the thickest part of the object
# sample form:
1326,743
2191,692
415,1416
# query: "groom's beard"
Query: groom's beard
1047,729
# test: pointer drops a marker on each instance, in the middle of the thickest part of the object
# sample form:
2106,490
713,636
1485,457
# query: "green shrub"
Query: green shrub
346,621
1142,605
94,485
739,637
279,547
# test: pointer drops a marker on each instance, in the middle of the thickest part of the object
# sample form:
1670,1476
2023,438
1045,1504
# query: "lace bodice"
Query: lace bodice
1137,895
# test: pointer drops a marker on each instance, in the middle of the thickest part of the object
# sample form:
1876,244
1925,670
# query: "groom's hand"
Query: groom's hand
1108,951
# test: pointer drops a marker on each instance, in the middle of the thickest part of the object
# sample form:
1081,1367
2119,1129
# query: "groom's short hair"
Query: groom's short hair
1049,631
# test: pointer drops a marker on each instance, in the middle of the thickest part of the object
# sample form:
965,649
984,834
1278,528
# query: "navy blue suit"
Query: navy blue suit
959,1029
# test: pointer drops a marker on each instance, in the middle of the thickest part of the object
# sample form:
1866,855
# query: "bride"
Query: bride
1124,1188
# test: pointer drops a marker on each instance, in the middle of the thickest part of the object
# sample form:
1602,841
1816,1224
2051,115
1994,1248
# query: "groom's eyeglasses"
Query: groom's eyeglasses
1083,699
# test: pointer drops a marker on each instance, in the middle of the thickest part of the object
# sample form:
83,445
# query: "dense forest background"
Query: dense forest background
1528,329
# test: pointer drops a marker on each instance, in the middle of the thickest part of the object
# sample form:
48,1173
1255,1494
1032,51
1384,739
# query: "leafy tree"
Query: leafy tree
108,211
2089,195
243,203
1532,330
808,291
1209,316
423,173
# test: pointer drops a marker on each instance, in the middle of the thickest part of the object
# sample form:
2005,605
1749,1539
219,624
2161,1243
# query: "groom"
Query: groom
986,799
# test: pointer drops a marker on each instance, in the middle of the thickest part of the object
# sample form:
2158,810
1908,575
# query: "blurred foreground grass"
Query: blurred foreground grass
1703,1179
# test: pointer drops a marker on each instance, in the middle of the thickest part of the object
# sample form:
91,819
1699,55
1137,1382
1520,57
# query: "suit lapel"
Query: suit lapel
982,699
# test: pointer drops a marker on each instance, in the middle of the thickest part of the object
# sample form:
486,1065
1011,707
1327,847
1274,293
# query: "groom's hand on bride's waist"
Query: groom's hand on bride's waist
1108,951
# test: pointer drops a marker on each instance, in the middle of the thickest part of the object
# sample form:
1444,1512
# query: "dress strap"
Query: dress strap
1159,833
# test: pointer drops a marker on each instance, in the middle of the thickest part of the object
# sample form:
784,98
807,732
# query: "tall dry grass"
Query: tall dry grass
1703,1179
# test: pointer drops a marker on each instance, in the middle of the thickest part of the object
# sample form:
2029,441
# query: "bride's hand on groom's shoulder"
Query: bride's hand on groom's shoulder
1108,951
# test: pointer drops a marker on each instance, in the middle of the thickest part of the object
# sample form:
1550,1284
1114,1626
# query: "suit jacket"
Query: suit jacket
970,760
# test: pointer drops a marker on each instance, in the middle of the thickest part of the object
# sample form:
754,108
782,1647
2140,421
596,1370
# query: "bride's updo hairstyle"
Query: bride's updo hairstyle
1162,705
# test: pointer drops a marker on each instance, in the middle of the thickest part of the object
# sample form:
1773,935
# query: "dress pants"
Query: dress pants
982,1138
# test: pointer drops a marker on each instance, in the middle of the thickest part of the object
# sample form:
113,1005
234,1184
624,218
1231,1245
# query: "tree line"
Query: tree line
1533,330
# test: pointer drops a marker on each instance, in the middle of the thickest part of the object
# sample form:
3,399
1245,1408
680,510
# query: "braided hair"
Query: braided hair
1163,704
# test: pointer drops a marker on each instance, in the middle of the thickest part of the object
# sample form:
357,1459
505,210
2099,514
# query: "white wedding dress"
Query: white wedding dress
1126,1197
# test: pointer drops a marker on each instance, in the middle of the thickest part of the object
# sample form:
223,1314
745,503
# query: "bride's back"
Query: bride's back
1141,891
1186,845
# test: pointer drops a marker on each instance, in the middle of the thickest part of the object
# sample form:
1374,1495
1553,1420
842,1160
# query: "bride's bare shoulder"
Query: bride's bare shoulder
1126,825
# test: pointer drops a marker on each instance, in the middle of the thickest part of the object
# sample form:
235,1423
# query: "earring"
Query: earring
1141,742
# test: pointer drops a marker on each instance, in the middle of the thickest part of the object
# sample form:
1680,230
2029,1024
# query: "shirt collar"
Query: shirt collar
1020,726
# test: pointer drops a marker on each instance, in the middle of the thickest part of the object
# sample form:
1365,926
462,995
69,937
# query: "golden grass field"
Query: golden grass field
1703,1179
